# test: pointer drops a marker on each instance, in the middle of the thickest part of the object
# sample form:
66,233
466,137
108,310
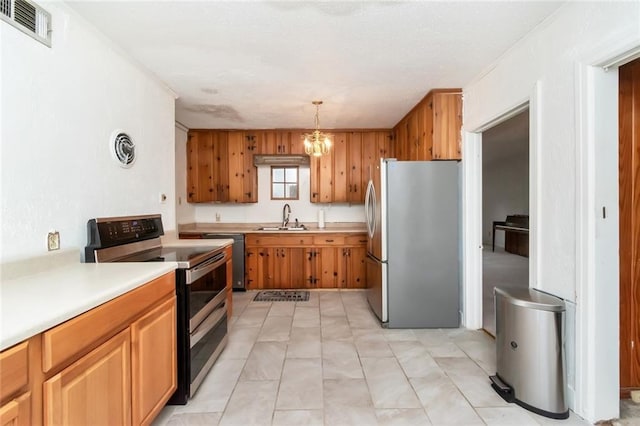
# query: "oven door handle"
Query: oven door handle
204,268
205,326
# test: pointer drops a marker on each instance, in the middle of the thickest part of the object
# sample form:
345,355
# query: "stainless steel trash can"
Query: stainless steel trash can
530,351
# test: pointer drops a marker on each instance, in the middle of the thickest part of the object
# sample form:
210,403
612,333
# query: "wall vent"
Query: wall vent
28,17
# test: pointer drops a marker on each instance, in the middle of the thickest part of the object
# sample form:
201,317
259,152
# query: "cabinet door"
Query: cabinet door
447,124
423,123
296,145
311,267
17,412
297,262
235,156
95,390
356,182
329,264
200,186
340,176
356,271
281,268
251,268
250,171
220,165
153,361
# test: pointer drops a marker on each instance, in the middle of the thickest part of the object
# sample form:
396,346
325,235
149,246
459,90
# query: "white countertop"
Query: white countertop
33,303
40,293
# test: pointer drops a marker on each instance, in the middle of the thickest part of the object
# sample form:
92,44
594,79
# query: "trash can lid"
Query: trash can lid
531,298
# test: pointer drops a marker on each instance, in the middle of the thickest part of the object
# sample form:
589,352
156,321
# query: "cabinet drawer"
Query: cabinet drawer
84,332
355,240
278,240
329,240
14,370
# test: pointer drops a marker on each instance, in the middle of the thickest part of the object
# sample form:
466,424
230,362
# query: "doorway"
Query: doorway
629,238
505,210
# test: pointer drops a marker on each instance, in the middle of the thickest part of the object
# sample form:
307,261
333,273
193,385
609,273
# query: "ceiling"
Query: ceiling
260,64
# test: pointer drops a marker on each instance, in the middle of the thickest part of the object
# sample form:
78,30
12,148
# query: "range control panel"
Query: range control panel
110,232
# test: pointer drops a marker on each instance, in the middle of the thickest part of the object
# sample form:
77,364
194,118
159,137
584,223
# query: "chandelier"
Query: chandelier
316,143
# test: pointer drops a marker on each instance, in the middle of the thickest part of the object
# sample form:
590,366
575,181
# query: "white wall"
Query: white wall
546,62
267,210
59,107
185,212
505,191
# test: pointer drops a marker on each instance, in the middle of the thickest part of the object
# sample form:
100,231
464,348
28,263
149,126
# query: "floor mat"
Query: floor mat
282,296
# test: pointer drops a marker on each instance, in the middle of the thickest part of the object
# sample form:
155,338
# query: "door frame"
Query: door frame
597,244
472,204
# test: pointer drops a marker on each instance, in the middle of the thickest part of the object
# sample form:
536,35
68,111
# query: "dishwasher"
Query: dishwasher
237,257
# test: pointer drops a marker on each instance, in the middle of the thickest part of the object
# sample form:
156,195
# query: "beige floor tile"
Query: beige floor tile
304,343
349,392
507,416
215,390
472,381
301,384
306,316
282,309
252,316
265,361
194,419
399,335
362,318
372,345
446,350
414,358
443,402
334,328
402,417
275,329
331,305
340,360
251,403
340,415
388,385
432,337
297,418
239,342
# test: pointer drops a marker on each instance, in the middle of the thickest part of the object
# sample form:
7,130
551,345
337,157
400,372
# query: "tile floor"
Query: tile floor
328,361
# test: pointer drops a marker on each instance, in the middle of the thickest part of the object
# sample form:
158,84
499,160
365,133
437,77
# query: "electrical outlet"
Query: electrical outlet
53,241
217,217
163,198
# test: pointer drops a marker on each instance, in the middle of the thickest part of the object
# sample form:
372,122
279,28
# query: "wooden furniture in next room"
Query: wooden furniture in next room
516,237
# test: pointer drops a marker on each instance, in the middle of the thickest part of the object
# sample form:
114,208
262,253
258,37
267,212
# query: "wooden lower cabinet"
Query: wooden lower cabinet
95,390
283,261
112,365
16,412
153,362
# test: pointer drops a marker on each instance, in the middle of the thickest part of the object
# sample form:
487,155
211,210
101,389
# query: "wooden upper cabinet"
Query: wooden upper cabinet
220,166
447,124
200,167
432,129
296,141
340,181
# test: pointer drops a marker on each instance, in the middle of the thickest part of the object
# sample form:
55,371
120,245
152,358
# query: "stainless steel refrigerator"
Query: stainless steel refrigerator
413,261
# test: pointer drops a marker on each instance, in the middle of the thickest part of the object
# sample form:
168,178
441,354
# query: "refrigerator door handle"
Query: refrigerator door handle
370,208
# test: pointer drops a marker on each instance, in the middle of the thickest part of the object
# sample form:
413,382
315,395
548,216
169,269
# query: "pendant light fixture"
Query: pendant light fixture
316,143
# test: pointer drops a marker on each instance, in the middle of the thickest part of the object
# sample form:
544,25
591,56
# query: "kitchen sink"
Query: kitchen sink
283,228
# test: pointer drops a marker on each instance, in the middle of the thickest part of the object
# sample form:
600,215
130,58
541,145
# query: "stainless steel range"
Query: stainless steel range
201,288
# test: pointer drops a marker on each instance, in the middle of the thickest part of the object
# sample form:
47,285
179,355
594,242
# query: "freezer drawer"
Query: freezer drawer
376,287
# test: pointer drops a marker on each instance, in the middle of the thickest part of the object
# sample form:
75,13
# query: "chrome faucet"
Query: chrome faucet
286,211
